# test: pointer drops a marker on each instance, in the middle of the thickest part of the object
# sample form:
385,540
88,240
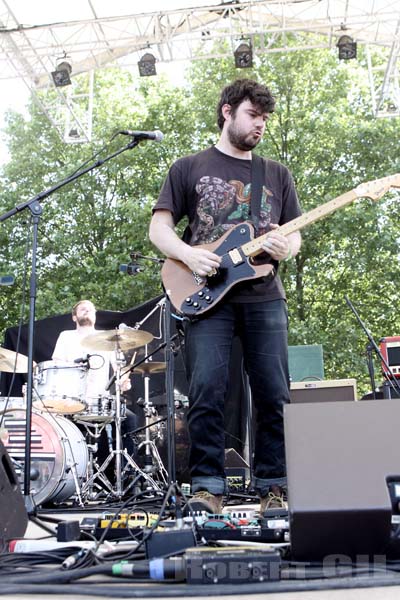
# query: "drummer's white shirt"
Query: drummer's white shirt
68,348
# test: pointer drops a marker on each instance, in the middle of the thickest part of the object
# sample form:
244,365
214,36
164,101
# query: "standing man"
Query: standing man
213,189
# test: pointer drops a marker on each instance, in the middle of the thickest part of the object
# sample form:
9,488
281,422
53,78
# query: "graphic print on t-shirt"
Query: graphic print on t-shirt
222,204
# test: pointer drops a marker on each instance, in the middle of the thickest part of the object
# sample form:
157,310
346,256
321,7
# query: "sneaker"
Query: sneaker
276,498
204,501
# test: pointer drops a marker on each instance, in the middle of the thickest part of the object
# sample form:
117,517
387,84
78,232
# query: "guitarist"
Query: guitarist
213,190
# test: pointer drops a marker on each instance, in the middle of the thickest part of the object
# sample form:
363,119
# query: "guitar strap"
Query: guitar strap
257,180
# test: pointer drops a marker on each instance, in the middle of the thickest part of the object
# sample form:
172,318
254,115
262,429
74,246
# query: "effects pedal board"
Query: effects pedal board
273,528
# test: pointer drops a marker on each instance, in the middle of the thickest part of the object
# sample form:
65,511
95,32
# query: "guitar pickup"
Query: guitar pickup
235,257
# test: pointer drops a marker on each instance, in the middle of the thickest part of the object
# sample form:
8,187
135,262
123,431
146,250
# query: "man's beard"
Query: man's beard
241,141
85,321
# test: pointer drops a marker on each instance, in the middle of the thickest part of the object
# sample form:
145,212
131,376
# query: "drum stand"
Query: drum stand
119,452
89,490
152,460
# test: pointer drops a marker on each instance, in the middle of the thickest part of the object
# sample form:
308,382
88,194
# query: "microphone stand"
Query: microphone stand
169,392
373,346
36,211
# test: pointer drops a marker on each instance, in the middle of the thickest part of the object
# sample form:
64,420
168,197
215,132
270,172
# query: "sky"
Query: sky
17,93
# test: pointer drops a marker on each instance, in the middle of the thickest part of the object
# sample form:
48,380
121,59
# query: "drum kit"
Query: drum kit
67,424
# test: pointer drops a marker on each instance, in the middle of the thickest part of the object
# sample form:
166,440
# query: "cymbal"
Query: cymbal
150,367
10,361
125,339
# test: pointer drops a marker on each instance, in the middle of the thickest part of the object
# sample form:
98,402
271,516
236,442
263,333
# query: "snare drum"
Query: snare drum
100,409
60,387
58,452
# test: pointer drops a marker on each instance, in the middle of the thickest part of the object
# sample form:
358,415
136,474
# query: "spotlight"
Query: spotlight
147,65
347,47
243,56
61,76
73,133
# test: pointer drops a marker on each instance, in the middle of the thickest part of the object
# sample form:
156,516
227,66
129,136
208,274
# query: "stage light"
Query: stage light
61,75
347,48
147,65
243,56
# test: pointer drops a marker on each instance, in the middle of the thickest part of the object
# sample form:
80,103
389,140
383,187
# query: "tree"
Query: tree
89,228
323,130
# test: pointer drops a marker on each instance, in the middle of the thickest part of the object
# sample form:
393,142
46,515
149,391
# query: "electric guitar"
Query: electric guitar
192,294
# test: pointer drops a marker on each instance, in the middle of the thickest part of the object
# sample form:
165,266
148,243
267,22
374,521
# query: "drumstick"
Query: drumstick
131,363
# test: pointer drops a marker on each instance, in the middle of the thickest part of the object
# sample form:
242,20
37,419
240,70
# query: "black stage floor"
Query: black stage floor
235,553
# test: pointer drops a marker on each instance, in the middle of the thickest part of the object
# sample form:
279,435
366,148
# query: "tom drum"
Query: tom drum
60,387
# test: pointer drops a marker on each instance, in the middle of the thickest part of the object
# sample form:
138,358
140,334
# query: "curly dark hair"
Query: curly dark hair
245,89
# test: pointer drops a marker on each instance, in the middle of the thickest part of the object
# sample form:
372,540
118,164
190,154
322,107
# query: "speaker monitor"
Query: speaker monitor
339,457
13,515
329,390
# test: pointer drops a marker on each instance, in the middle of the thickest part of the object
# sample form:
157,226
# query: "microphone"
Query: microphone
124,326
156,136
131,269
34,474
84,359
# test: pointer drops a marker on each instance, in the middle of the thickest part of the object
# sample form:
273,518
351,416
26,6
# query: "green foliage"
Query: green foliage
322,129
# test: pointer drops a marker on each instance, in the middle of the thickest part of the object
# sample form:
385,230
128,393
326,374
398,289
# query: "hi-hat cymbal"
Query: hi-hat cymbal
150,367
10,361
124,339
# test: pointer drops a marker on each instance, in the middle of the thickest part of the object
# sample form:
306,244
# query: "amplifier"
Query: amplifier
327,390
390,349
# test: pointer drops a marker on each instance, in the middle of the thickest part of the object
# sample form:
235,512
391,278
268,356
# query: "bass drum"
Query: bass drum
59,454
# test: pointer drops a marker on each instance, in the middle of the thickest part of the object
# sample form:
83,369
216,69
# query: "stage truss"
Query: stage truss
94,34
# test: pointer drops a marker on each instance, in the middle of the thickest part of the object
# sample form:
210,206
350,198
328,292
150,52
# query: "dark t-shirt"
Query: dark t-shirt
213,190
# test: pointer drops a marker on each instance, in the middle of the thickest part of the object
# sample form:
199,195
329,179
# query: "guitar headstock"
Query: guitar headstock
377,188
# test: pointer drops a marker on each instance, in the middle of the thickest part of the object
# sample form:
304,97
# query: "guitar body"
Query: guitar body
193,295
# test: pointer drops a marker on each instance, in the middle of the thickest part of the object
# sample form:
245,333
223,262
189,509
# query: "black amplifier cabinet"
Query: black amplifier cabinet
327,390
341,459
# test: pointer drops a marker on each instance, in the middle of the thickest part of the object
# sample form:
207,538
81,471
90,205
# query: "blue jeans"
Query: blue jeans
262,328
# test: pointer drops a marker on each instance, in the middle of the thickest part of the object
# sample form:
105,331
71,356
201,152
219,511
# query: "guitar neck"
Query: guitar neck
255,246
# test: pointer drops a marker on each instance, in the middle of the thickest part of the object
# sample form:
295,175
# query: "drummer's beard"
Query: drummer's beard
85,322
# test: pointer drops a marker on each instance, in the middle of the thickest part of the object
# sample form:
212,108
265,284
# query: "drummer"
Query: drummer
68,348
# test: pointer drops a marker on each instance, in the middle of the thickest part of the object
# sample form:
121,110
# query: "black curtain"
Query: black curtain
46,332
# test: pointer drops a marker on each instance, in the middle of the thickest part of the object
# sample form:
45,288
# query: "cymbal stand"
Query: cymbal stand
93,432
151,452
119,452
165,306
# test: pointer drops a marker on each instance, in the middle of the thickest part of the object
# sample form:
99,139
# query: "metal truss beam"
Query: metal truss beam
32,51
